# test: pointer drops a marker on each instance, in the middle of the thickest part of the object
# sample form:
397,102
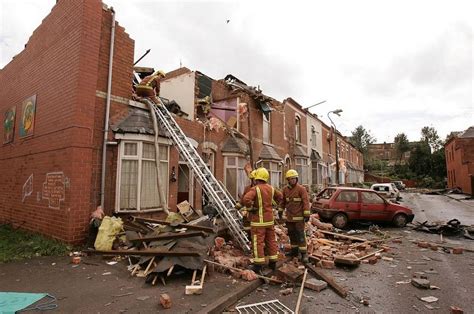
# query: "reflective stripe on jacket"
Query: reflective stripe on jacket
296,202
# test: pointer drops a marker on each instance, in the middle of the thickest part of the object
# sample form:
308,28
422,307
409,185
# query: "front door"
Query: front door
373,206
184,182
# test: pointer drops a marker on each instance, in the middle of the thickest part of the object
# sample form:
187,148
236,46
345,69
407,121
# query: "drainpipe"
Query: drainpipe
107,109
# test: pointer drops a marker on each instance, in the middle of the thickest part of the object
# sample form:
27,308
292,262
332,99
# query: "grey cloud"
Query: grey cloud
445,64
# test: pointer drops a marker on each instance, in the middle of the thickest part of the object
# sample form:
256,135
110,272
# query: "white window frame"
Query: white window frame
302,166
138,140
239,172
268,124
313,137
297,129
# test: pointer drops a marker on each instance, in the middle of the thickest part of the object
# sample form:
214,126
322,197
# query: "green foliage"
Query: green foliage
402,145
361,138
18,244
430,136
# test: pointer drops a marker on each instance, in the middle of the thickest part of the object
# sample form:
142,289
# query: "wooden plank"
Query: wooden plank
369,255
342,236
148,252
232,297
331,282
169,236
298,303
163,222
239,270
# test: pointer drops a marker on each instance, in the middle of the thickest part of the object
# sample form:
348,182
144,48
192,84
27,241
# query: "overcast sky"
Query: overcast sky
391,66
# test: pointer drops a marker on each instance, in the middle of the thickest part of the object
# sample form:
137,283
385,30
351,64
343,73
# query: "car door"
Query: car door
348,202
373,206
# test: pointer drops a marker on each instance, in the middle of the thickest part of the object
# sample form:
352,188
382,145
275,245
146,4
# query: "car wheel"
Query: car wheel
340,220
400,220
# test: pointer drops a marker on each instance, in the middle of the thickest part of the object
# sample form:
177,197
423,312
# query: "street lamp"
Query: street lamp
336,112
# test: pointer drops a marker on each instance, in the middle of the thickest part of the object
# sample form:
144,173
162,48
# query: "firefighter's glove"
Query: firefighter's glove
245,213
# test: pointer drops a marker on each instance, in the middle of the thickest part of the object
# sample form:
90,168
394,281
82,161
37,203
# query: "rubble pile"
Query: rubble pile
451,228
155,247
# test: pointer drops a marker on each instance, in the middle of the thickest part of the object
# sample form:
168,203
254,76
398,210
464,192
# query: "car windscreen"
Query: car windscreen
326,193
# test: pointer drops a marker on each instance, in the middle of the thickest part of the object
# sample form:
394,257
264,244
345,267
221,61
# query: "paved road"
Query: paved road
439,208
453,274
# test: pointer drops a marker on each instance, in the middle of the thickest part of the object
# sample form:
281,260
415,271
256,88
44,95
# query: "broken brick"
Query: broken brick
289,272
248,275
373,260
397,241
315,284
327,264
457,250
165,301
456,310
424,245
219,242
420,283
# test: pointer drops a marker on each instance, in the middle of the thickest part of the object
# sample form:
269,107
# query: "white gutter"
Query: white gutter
107,109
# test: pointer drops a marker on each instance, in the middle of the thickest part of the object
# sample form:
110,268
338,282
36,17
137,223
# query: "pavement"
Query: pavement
96,287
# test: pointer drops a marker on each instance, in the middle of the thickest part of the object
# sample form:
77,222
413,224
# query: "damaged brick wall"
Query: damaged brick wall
51,179
460,163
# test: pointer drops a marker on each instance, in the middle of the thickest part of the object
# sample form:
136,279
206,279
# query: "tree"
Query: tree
420,160
402,145
361,138
430,136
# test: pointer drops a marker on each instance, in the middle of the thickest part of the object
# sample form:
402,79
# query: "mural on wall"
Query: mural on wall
27,121
27,188
9,125
54,188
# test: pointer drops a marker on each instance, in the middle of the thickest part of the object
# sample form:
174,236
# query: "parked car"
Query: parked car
400,185
388,190
340,205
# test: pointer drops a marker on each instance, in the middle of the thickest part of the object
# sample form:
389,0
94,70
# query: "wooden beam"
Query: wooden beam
330,280
342,236
237,269
369,255
168,236
163,222
298,303
148,252
219,305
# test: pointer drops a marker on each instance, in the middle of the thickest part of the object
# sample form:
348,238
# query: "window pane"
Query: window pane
348,196
242,181
371,198
163,152
128,184
231,181
242,162
149,151
231,161
130,149
266,165
164,177
149,189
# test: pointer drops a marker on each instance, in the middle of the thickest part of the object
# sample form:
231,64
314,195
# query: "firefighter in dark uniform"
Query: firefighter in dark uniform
297,209
261,197
149,87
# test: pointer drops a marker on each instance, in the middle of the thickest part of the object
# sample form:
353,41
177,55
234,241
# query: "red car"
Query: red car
342,204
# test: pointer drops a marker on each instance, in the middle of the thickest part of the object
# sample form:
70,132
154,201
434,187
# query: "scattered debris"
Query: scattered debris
451,228
456,310
165,301
429,299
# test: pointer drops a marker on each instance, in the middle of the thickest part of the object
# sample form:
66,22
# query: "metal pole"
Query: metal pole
337,158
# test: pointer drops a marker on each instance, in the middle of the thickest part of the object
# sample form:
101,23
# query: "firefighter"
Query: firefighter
261,218
149,87
296,205
242,208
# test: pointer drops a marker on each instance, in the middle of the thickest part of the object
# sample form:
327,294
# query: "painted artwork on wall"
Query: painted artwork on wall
9,125
27,122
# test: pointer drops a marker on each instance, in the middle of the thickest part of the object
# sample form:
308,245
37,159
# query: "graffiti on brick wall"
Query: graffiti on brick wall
27,188
54,188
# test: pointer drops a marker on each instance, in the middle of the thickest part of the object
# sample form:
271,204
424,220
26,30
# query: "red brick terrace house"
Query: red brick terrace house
459,152
53,129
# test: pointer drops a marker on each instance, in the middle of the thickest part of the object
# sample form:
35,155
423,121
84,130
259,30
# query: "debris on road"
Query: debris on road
451,228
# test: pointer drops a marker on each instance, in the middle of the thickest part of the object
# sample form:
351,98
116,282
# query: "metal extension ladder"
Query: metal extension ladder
218,195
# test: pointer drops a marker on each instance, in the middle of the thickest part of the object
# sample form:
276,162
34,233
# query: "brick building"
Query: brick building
53,130
459,151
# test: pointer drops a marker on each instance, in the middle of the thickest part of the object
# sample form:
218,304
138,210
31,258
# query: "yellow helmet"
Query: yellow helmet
252,174
291,174
160,73
262,174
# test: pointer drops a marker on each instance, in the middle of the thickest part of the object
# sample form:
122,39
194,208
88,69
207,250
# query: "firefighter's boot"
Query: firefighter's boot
293,252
